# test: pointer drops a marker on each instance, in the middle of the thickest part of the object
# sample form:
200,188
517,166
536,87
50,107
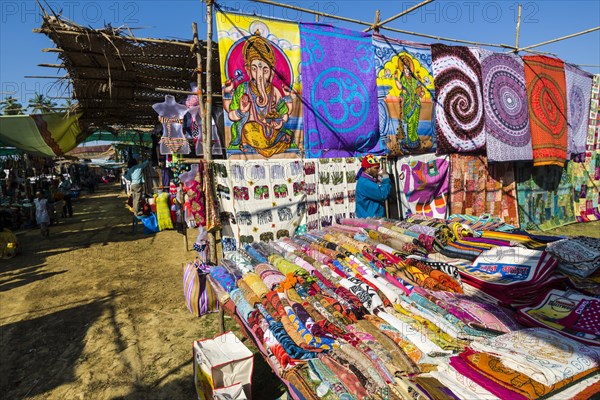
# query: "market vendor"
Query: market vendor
373,187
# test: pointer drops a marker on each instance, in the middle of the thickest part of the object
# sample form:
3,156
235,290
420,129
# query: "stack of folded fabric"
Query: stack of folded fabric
570,313
530,364
513,276
579,259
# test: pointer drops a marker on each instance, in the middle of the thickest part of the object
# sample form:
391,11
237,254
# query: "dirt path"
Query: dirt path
96,312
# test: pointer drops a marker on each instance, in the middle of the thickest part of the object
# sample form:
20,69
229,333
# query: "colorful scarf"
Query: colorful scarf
546,92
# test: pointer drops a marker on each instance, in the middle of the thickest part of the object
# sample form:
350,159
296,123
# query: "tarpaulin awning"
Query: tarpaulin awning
47,135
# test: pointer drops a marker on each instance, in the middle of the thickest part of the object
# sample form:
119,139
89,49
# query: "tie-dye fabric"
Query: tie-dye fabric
459,120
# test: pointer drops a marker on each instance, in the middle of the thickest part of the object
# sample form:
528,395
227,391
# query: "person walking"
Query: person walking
135,174
373,187
42,216
64,188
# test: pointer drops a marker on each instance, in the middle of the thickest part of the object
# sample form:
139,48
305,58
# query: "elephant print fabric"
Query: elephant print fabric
330,187
260,77
341,118
260,199
423,185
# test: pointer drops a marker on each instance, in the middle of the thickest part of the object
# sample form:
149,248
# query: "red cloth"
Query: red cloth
546,95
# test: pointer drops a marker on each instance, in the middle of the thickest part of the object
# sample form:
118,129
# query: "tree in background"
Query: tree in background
41,104
10,106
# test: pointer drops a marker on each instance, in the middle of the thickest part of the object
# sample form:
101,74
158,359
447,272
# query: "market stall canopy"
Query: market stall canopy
48,135
115,75
128,137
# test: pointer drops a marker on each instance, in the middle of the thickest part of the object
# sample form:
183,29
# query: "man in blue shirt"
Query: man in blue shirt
373,187
135,174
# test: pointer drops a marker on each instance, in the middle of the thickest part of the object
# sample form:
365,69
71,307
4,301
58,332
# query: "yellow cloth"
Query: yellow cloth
256,284
8,244
163,211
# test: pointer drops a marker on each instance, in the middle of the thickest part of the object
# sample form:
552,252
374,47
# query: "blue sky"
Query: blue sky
481,21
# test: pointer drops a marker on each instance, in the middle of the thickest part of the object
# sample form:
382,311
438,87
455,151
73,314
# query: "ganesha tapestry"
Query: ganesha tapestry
405,92
260,60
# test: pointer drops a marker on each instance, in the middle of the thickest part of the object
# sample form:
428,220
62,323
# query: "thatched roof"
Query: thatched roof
114,75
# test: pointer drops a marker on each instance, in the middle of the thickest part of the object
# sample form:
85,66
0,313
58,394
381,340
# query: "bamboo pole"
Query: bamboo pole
516,50
376,26
559,39
86,32
207,138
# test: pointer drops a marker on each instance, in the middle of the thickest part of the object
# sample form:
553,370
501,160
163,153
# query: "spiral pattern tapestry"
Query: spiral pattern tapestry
579,91
546,92
339,93
459,106
505,106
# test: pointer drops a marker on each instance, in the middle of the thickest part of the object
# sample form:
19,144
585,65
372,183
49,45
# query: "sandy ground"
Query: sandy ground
97,312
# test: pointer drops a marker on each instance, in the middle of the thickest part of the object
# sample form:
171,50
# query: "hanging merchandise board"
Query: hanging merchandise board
459,118
260,61
260,200
586,187
545,196
593,134
339,93
546,93
579,91
508,136
423,185
405,94
478,188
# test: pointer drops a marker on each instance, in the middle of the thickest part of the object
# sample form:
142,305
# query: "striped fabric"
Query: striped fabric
200,298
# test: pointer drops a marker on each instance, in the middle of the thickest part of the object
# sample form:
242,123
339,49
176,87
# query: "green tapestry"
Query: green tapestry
586,185
545,197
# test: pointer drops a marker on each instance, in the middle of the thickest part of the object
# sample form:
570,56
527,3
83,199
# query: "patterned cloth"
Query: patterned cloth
505,105
260,200
545,197
459,108
478,188
579,91
546,92
339,92
586,187
423,185
593,136
263,114
405,92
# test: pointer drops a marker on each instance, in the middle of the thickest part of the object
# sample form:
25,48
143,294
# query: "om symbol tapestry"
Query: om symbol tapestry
339,93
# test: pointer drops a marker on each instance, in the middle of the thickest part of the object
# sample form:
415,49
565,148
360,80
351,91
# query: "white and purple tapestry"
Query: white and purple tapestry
459,118
423,185
579,92
339,93
505,106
